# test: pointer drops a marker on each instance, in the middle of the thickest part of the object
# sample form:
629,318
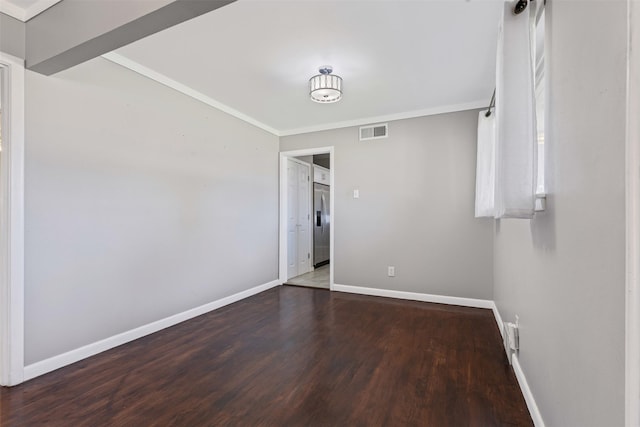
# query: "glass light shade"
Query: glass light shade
325,88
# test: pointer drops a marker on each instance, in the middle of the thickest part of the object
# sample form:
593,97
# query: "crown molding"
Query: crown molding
388,118
186,90
24,14
169,82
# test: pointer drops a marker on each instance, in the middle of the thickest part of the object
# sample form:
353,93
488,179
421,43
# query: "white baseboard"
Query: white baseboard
415,296
56,362
466,302
536,416
499,321
526,392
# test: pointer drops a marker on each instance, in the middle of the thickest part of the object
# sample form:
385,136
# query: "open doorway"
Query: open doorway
306,213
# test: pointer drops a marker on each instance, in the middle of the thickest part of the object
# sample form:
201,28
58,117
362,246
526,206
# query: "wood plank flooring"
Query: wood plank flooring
290,356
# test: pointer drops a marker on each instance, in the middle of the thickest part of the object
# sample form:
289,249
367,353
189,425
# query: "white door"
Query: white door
304,237
292,219
298,217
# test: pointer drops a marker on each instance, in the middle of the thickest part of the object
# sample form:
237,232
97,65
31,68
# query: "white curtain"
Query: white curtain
485,165
516,149
515,156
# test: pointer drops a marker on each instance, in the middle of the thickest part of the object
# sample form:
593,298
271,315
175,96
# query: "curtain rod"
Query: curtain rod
520,6
492,104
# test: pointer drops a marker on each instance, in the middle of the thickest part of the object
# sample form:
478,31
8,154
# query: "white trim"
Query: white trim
388,117
56,362
186,90
498,318
632,222
332,200
415,296
13,10
282,226
23,14
536,416
311,217
282,231
12,225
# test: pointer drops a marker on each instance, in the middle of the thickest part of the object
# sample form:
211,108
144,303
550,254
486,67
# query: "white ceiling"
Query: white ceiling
397,58
25,9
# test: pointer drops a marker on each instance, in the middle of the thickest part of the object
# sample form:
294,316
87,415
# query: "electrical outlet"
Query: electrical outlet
391,271
514,336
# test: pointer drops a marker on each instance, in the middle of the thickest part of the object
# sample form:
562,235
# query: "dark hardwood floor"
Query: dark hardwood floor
290,357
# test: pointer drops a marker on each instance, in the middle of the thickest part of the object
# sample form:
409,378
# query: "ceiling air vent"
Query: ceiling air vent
374,132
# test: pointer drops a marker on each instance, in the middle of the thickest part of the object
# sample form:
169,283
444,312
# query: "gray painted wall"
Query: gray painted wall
415,210
12,36
563,272
140,203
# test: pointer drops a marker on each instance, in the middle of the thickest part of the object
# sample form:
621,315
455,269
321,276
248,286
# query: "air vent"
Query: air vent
374,132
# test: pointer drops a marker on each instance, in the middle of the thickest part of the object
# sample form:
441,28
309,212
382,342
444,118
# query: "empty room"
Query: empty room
320,213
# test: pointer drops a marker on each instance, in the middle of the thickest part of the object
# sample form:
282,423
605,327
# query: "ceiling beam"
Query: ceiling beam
12,36
72,32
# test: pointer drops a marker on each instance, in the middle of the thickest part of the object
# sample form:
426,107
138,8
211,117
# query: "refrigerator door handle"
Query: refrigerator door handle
318,218
322,209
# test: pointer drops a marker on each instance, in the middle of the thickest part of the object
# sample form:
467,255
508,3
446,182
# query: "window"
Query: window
540,83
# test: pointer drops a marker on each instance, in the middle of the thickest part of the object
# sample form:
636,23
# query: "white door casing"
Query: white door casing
283,238
12,222
632,209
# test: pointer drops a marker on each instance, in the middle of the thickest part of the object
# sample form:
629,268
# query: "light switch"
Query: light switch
356,194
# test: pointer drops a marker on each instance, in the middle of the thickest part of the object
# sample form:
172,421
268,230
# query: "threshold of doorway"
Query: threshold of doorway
318,278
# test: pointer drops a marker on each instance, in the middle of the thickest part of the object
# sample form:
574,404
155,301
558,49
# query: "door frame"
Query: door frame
282,233
12,223
632,226
310,205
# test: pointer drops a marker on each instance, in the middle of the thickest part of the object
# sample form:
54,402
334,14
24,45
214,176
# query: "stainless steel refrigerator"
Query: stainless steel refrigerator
321,224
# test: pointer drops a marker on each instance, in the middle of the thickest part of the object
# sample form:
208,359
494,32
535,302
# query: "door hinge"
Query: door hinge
308,178
308,255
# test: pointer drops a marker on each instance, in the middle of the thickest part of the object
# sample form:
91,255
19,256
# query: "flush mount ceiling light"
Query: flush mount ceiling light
325,87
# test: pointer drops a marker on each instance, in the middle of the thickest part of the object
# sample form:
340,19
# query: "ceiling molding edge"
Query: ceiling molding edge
13,11
388,118
25,14
184,89
39,7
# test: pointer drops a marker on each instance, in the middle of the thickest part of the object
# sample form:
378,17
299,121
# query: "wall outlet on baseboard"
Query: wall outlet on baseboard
511,338
391,271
